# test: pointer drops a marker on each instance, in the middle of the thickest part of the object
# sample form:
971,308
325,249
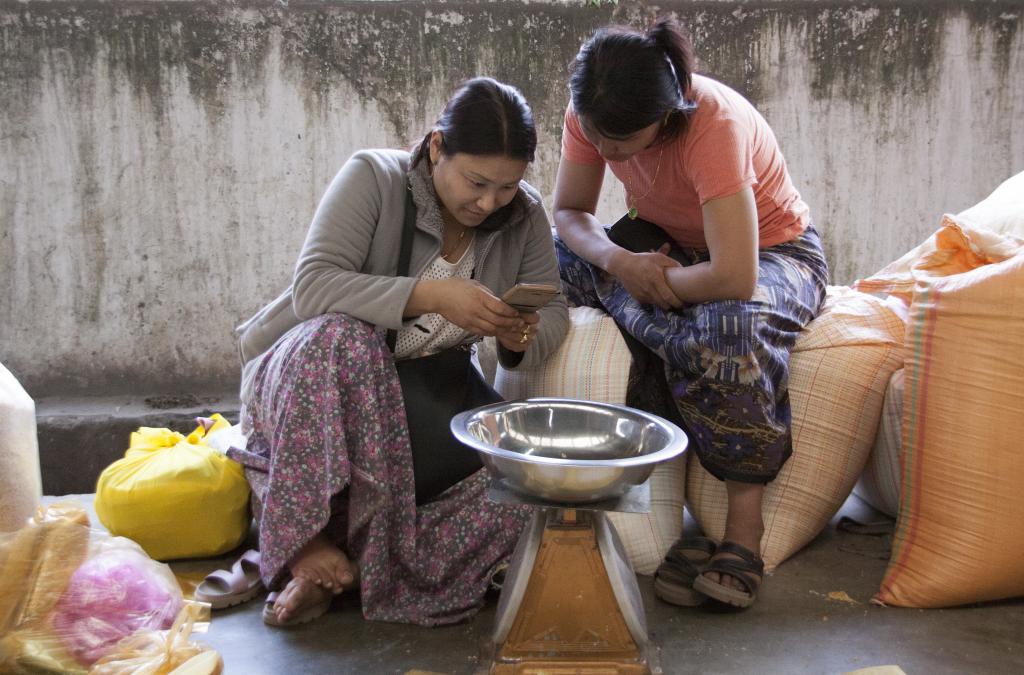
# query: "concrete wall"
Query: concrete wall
160,161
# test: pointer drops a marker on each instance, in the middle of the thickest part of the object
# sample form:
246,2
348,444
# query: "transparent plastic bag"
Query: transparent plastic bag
69,594
115,593
156,652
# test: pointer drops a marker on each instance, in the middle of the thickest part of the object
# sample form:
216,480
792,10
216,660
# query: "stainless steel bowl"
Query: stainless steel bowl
565,450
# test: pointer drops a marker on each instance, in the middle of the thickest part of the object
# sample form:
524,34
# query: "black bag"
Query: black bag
641,236
435,388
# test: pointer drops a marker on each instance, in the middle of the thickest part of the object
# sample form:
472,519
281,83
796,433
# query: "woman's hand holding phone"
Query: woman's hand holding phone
520,339
471,306
525,299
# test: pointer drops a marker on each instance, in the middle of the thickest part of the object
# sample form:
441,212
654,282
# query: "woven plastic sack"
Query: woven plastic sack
176,496
959,538
20,483
839,370
879,485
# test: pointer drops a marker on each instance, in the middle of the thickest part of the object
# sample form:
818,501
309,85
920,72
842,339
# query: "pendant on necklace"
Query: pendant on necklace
632,213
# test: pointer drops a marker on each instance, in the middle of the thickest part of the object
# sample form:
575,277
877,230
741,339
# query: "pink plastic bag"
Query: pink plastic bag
112,595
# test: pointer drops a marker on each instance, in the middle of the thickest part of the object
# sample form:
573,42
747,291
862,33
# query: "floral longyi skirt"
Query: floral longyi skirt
329,452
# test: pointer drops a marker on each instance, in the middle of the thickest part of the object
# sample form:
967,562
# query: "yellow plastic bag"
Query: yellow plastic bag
174,495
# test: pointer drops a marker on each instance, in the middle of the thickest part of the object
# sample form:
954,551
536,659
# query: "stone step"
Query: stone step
79,437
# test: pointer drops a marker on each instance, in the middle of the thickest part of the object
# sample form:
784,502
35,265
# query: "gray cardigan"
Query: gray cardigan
350,257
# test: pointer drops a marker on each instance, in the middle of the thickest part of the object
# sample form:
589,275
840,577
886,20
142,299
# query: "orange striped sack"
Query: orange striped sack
955,248
959,537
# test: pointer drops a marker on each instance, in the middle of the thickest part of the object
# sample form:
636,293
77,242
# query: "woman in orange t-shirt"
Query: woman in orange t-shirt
711,274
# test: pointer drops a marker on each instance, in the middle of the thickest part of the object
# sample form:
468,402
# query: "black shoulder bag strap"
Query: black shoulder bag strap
434,389
405,249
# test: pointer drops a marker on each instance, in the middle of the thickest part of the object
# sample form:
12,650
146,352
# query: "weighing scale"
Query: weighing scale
570,602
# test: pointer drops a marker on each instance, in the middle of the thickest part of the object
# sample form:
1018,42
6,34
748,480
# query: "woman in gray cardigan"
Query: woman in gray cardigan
338,502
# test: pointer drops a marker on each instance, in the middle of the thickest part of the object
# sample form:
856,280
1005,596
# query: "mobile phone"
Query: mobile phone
529,297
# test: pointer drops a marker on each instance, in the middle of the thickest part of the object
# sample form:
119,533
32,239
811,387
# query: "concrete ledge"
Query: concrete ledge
79,437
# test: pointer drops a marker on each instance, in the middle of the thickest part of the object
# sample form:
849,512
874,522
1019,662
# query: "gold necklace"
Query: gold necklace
456,245
632,199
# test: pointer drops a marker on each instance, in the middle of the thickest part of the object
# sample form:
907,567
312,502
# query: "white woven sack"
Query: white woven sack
879,485
20,483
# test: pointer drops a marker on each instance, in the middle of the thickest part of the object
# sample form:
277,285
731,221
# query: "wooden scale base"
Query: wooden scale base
570,603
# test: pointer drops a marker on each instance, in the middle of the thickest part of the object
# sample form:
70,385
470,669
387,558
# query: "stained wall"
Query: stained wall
160,161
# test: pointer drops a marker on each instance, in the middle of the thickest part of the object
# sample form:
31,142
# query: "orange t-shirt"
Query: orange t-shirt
727,146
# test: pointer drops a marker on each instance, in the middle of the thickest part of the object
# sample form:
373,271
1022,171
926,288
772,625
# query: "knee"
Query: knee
336,328
563,253
731,328
342,323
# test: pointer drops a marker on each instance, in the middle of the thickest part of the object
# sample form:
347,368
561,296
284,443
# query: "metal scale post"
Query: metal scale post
570,602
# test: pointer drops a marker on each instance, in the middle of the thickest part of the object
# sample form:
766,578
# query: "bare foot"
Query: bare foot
299,595
325,565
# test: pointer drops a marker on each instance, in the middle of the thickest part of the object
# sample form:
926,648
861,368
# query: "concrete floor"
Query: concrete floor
794,627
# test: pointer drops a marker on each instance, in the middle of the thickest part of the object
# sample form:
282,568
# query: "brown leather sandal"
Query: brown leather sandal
684,562
747,568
